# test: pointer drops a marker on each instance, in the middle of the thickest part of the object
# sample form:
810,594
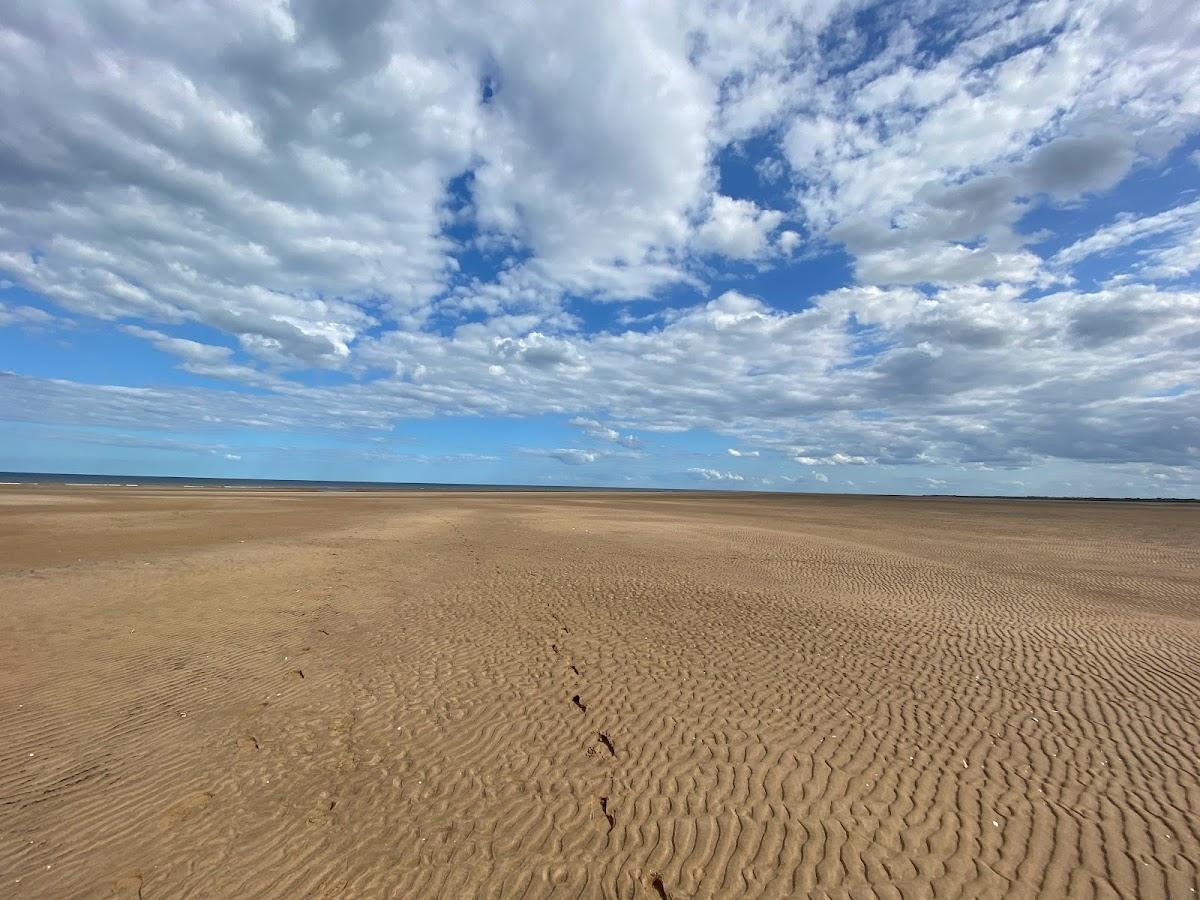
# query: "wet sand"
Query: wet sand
254,693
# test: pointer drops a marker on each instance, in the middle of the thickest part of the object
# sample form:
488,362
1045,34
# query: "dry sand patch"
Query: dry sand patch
596,695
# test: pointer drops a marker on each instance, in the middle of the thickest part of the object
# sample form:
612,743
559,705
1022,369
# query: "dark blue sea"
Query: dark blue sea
61,478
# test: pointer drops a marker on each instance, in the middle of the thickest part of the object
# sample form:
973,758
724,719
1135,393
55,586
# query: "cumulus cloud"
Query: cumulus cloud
733,451
789,241
594,429
716,475
1040,100
594,143
429,199
896,377
539,351
597,430
1072,165
737,228
833,459
284,173
945,263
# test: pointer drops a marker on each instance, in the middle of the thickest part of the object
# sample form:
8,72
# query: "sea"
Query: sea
287,484
78,480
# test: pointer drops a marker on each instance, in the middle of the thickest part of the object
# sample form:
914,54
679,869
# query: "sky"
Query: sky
846,247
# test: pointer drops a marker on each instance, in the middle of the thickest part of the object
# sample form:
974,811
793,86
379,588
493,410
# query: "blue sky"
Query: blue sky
915,248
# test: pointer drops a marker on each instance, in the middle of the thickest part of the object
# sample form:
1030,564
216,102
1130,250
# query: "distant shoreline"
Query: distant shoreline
76,479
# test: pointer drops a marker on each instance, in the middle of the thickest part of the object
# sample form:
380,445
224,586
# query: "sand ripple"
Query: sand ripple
597,696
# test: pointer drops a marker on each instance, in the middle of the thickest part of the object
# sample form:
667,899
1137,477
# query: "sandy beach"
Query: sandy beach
210,693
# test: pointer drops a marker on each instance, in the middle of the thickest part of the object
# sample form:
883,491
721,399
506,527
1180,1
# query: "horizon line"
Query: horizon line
334,484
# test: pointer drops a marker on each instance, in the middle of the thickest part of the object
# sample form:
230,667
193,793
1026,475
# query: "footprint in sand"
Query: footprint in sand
612,822
322,812
127,887
189,806
604,743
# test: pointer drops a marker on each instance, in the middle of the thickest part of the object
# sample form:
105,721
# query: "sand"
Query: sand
234,694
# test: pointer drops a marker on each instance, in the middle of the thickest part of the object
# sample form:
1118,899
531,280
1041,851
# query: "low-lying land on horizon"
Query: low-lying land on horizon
457,694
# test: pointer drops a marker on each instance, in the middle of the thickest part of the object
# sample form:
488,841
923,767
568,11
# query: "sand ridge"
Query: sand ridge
596,695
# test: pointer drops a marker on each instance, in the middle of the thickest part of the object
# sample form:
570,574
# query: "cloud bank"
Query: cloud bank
344,218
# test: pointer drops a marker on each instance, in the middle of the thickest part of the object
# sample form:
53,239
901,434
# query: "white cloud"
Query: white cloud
569,455
206,166
738,229
1049,99
284,177
965,375
595,146
206,359
945,263
716,475
29,317
1128,229
1173,237
597,430
845,459
821,477
896,377
833,459
539,351
594,429
191,351
733,451
304,187
1175,261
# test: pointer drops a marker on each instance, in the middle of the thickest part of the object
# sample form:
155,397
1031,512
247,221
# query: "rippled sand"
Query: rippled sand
595,695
